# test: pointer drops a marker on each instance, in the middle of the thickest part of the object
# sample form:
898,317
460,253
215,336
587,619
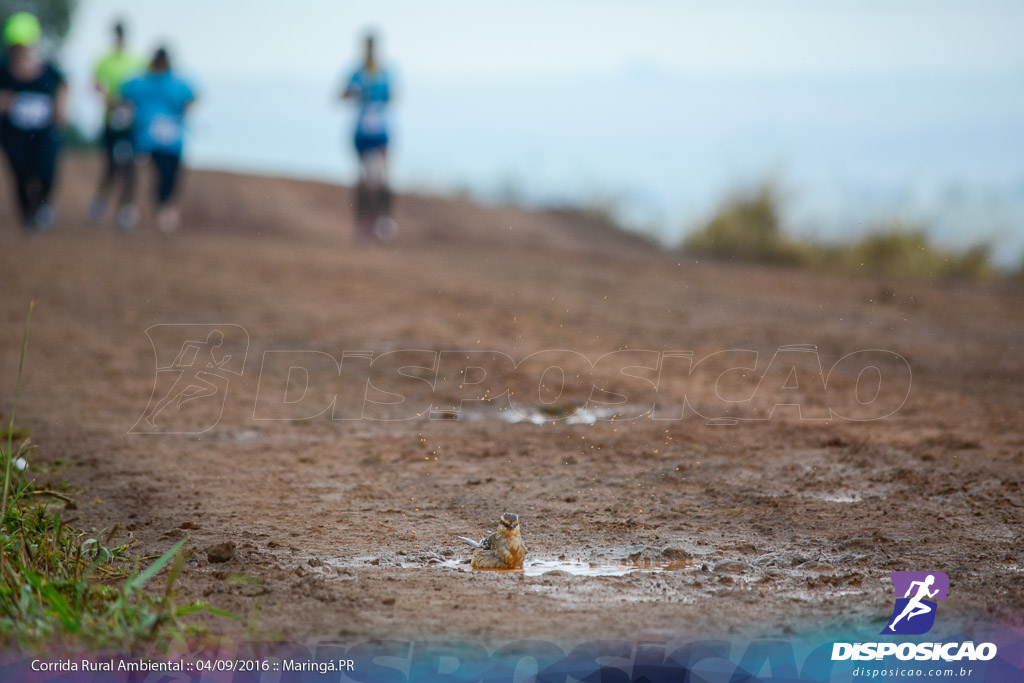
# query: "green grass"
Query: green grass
750,228
59,587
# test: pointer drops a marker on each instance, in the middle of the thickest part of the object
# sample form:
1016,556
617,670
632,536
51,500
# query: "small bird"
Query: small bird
503,549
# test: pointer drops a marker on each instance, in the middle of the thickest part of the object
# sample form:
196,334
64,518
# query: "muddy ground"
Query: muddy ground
348,528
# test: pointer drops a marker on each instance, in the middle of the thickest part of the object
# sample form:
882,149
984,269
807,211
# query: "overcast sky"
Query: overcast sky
537,38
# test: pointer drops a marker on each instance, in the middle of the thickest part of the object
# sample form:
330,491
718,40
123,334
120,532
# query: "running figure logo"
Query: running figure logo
190,389
916,593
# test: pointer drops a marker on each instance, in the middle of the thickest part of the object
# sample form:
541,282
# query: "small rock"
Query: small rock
849,557
732,567
221,552
816,566
634,552
673,553
387,601
315,562
744,547
557,574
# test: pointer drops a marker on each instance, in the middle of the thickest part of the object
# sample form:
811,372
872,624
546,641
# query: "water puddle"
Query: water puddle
834,498
565,413
572,567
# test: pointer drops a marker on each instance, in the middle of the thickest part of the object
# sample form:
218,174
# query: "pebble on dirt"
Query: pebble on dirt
221,552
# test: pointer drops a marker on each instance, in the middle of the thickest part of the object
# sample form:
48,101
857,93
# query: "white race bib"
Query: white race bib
31,111
165,131
372,120
121,117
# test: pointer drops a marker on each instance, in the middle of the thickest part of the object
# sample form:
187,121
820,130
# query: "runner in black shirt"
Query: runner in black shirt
33,104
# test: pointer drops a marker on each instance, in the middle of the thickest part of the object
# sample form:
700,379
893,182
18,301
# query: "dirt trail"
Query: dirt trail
348,528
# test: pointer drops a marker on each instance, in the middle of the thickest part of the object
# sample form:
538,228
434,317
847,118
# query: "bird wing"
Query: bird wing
471,542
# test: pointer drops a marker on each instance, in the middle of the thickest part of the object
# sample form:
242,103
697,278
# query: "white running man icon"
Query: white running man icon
192,383
915,607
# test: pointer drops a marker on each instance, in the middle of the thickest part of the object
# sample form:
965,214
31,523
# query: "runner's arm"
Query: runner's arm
97,83
190,97
352,89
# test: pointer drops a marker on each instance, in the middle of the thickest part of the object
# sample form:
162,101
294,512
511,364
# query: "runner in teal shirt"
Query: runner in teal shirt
370,87
160,99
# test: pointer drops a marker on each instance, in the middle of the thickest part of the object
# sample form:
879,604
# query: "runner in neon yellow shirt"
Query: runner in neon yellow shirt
112,71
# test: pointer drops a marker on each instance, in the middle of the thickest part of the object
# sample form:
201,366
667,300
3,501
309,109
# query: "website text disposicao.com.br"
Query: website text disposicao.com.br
952,655
902,673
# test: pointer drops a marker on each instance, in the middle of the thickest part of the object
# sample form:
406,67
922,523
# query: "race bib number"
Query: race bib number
121,118
372,121
31,111
165,131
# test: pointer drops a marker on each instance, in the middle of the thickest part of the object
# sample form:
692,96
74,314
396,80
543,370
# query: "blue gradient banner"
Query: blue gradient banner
712,660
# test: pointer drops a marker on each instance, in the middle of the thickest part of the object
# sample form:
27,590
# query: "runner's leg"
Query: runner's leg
16,149
168,167
45,148
49,152
124,156
11,154
110,166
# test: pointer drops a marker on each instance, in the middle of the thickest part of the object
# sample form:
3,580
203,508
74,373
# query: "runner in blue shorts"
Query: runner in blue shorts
370,87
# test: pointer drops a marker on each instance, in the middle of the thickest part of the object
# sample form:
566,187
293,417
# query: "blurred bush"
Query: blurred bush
902,251
750,228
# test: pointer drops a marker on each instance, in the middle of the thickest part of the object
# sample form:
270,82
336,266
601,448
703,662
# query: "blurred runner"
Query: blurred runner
160,99
370,87
112,71
33,104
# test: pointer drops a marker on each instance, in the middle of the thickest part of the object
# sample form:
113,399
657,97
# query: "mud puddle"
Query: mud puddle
572,567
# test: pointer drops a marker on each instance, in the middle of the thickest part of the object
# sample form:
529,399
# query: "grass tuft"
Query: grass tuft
59,587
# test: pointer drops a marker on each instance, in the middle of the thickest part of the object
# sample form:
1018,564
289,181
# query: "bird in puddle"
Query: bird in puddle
502,549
